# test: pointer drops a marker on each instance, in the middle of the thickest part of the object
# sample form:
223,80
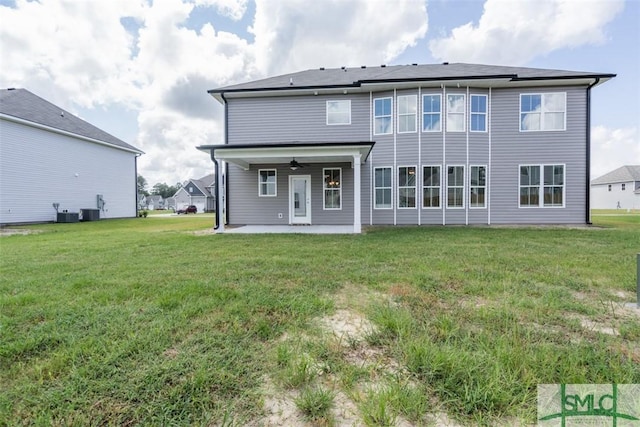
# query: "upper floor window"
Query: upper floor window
190,189
332,188
478,113
455,113
267,183
431,113
609,187
431,187
543,111
407,113
382,188
624,187
339,112
382,116
407,187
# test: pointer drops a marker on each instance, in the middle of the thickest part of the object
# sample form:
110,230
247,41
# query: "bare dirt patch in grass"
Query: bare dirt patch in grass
17,231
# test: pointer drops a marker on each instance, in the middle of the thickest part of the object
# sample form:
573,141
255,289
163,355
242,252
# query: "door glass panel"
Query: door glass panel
300,197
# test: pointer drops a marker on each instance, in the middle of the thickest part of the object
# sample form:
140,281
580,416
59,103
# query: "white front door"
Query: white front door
300,199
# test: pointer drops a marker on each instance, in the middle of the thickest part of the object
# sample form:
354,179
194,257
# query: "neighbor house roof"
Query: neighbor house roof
346,77
622,174
24,105
204,183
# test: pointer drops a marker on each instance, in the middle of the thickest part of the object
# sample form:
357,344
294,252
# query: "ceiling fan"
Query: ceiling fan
294,164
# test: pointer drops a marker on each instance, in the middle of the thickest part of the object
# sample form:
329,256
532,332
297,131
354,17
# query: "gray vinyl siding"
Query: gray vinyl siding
41,167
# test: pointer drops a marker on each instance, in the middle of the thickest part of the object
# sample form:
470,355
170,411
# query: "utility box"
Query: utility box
68,217
90,214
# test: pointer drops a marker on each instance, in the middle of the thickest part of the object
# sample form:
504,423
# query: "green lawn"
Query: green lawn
143,321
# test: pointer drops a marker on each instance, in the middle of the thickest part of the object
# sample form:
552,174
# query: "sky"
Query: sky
140,69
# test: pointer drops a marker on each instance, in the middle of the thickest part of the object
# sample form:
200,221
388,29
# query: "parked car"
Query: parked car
187,210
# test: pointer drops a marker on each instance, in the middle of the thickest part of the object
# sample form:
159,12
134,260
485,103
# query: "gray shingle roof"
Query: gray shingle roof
25,105
338,77
622,174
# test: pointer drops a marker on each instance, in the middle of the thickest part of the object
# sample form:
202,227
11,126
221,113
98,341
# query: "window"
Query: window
431,187
478,187
267,183
455,113
551,186
332,188
407,113
623,187
382,122
455,186
407,187
190,189
431,110
339,112
382,188
478,113
609,187
543,111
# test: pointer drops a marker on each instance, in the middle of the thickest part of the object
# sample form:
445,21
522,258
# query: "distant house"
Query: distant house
198,192
49,158
618,189
154,202
444,144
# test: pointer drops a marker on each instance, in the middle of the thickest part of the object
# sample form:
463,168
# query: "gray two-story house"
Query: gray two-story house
410,144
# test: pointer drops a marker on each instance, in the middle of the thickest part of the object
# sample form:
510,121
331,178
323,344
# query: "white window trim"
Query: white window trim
464,179
415,115
439,95
324,201
415,187
375,207
260,183
486,173
376,117
439,187
485,114
464,112
541,187
348,101
542,112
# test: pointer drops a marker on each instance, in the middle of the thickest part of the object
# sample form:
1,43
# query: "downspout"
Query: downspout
226,141
135,167
215,162
588,183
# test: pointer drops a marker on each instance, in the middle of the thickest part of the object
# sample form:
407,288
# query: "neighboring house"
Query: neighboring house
142,201
619,189
408,144
170,203
197,192
49,156
154,201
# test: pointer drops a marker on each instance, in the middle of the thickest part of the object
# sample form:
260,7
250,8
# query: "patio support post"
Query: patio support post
357,226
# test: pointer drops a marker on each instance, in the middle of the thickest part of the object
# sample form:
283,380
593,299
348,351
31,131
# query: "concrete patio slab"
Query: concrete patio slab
290,229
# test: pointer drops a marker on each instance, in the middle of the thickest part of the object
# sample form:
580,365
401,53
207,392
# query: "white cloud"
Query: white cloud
612,148
514,32
233,9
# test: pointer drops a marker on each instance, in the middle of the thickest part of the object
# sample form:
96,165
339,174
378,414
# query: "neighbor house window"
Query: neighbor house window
455,113
382,116
332,188
623,187
190,189
339,112
267,179
407,187
382,188
431,110
478,187
478,113
431,187
543,111
609,187
550,185
407,113
455,186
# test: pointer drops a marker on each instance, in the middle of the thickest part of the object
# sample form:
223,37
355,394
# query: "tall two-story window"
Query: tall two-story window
332,188
543,111
339,112
382,188
407,113
267,183
455,186
550,185
407,187
455,112
478,113
431,187
478,187
382,116
431,113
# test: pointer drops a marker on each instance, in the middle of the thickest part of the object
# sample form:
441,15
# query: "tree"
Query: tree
142,185
164,190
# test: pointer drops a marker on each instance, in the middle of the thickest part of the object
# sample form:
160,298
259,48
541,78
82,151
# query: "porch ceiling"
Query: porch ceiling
304,152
